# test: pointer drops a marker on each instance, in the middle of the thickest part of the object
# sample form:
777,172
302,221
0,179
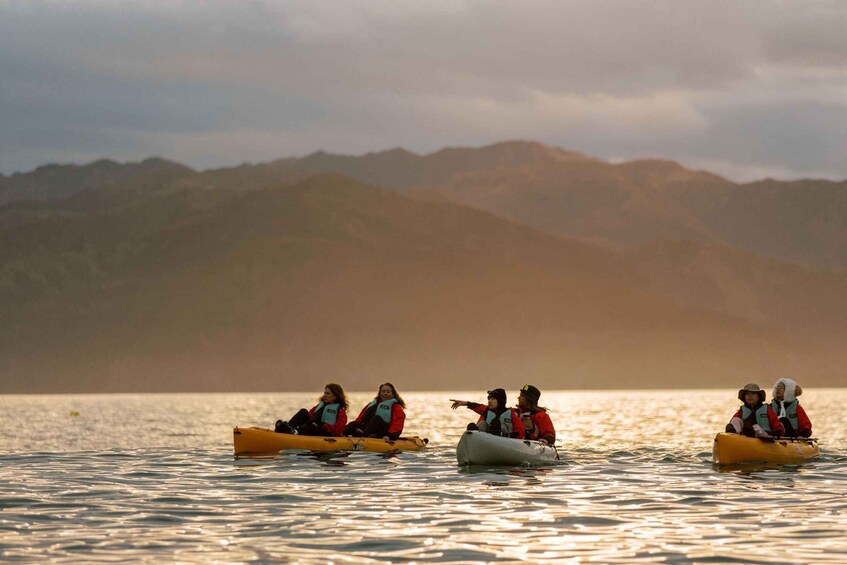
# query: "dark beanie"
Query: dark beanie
531,393
500,395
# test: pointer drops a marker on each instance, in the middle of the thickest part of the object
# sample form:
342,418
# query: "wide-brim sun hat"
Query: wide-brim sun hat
751,387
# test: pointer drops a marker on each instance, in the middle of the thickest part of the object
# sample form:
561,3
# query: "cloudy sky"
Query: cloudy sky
746,89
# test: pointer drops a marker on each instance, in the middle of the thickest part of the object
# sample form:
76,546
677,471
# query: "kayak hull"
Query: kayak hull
735,448
247,441
481,448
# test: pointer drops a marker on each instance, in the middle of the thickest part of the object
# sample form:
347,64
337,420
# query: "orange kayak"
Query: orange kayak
735,448
263,440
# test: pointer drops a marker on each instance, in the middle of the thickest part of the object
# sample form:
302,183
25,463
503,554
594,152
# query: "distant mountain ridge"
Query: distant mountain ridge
57,182
401,169
641,202
513,261
566,193
631,203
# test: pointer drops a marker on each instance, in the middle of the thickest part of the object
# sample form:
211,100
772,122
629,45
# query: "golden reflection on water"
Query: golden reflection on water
152,477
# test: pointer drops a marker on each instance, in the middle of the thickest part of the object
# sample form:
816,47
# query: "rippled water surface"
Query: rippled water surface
153,478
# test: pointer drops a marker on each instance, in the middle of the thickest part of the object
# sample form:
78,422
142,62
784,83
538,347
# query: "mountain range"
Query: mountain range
464,268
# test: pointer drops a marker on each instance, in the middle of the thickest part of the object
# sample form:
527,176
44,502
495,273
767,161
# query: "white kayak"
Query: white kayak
482,448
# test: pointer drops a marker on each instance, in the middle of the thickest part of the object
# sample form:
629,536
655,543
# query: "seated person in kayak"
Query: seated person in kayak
327,418
535,419
787,408
754,418
496,417
381,417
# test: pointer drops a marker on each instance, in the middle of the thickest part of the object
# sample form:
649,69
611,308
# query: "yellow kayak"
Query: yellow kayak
736,448
263,440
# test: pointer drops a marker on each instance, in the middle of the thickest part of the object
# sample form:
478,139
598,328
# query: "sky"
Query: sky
746,89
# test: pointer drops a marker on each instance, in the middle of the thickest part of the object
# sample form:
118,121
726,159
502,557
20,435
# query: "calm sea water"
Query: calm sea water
153,478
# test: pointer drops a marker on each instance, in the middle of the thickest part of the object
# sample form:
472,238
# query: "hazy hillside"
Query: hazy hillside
629,204
401,169
190,289
150,276
646,201
806,302
56,182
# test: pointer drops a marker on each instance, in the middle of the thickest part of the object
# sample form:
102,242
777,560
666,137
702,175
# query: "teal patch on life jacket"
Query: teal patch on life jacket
790,412
384,409
761,416
505,420
330,413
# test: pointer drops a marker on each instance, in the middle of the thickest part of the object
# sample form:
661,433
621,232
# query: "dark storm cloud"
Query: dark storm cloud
213,83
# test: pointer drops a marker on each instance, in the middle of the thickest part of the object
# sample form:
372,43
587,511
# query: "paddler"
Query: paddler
754,418
496,417
384,416
787,408
327,418
535,419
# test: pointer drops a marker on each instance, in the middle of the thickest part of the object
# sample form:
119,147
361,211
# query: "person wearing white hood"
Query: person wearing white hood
787,408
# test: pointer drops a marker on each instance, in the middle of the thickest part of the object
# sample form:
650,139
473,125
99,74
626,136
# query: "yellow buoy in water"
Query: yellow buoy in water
74,413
